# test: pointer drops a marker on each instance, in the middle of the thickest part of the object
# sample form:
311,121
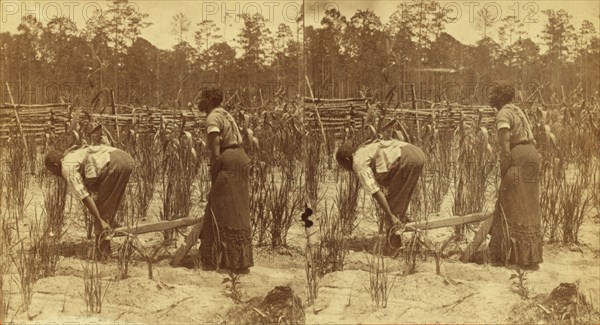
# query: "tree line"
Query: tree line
343,57
360,54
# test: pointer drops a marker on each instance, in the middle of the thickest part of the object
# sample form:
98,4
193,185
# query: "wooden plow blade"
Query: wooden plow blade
480,235
447,222
183,250
155,226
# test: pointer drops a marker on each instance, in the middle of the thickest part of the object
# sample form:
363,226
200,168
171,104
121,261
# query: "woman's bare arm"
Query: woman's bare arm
504,143
214,145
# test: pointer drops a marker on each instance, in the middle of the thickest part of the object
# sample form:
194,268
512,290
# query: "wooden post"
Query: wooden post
479,238
12,101
412,97
190,240
414,107
316,110
114,111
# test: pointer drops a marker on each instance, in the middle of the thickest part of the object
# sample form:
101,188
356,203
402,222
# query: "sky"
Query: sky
463,26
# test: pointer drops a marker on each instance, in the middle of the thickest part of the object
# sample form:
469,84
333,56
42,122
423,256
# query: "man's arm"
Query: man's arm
91,206
367,180
383,203
75,184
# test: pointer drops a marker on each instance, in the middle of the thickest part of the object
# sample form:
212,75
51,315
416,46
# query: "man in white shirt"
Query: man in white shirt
101,170
392,164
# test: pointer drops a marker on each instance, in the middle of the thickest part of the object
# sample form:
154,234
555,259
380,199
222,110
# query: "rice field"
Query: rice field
340,268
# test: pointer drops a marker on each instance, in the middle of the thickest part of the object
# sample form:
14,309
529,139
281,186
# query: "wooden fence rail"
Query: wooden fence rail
335,115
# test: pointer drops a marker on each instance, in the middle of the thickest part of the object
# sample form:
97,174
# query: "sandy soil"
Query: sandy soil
462,293
174,295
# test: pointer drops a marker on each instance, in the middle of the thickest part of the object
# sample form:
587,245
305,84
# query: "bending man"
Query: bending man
101,170
392,164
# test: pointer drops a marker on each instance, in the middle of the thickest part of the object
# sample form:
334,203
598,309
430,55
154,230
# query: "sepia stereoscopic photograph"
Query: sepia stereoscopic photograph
299,162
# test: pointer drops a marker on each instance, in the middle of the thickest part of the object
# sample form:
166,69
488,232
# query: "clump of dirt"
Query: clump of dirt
280,306
569,303
564,305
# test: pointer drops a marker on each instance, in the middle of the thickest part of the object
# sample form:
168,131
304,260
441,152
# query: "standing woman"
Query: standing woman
516,227
226,237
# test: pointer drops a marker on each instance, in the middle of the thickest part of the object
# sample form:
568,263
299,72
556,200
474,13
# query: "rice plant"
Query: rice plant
149,253
552,187
95,288
519,283
552,180
124,255
576,204
5,261
31,156
470,172
55,193
180,167
16,179
380,284
128,211
347,202
333,246
36,259
147,171
436,176
564,196
285,200
25,261
412,250
232,285
260,191
312,169
169,165
438,249
3,168
312,270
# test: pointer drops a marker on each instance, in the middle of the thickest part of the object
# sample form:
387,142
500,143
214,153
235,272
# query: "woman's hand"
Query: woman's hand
504,164
215,168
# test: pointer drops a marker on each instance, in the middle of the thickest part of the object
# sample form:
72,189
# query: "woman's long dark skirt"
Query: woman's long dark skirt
227,216
516,229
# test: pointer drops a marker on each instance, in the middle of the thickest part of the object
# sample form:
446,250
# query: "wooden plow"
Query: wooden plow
447,222
473,246
183,250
